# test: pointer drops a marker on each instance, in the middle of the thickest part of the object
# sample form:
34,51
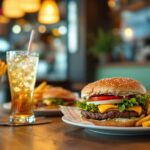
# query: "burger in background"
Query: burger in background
51,97
114,102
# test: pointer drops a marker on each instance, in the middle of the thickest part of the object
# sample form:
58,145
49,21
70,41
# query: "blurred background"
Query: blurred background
79,41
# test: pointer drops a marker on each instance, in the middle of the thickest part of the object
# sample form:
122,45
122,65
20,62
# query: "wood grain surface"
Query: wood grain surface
60,136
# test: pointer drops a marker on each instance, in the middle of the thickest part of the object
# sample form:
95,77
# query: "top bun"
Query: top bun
113,86
57,92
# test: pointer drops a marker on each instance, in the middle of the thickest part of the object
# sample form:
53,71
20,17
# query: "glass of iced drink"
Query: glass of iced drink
22,67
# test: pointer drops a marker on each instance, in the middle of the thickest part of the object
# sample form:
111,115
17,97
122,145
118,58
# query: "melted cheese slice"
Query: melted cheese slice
137,109
106,107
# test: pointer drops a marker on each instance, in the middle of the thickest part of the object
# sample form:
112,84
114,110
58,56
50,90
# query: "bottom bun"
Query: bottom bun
119,122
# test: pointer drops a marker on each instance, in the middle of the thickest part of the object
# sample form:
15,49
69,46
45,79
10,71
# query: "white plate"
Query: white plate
37,112
110,130
72,116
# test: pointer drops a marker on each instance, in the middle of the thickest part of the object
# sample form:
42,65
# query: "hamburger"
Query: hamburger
114,102
51,97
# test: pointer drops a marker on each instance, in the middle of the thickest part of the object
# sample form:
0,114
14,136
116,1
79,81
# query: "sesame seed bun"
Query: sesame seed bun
113,86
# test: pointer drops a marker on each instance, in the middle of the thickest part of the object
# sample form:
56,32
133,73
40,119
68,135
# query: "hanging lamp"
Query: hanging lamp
11,9
3,19
49,12
30,6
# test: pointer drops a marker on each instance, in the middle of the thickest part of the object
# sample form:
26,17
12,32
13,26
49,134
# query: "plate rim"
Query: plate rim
46,110
108,128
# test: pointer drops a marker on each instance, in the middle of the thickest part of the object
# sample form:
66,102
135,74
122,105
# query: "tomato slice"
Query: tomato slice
104,97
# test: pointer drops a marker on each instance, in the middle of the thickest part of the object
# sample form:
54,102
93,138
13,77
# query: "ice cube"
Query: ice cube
17,89
20,84
29,79
16,60
27,84
14,81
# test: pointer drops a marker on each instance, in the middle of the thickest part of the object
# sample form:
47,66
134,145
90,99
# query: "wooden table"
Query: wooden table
60,136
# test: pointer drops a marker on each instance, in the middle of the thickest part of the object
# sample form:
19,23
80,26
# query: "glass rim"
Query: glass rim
32,53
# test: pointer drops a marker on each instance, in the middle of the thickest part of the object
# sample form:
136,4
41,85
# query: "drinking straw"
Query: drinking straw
30,41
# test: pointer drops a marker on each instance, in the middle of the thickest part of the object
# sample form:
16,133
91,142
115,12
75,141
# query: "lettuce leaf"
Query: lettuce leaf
135,101
53,101
90,107
57,101
125,104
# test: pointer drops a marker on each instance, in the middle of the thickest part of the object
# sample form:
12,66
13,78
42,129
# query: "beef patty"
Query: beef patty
110,114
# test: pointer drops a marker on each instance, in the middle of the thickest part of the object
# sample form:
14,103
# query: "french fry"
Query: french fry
146,124
148,108
3,68
40,87
144,119
38,92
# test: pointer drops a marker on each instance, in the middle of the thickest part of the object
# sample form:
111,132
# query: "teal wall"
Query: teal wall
141,73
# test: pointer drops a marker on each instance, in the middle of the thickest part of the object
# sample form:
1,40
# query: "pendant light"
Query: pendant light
49,12
3,19
30,6
11,9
